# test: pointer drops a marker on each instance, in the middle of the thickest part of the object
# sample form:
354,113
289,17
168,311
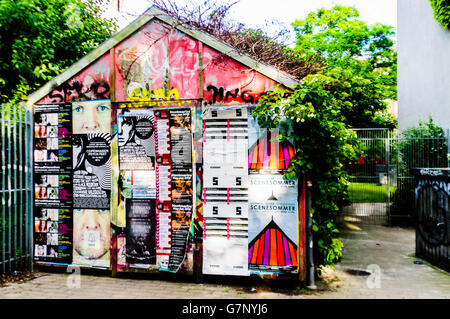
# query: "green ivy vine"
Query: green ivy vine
311,117
441,9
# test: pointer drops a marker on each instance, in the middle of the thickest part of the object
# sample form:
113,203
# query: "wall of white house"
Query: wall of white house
423,65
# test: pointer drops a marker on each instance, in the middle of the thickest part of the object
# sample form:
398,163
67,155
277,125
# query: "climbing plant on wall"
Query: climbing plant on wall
312,118
441,9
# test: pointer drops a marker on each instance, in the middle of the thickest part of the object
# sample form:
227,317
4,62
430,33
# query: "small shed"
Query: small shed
147,159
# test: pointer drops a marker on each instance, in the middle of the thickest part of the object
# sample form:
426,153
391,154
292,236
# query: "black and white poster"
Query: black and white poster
140,232
163,187
136,141
225,191
92,171
181,184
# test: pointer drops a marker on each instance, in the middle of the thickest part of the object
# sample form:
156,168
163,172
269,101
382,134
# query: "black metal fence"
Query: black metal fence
433,220
16,194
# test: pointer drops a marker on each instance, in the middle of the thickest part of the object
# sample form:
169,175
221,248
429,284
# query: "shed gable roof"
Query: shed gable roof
152,13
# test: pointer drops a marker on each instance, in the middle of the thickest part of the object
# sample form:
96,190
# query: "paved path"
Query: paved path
390,249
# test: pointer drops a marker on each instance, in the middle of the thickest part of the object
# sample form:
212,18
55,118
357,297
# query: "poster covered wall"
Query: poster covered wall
249,210
156,170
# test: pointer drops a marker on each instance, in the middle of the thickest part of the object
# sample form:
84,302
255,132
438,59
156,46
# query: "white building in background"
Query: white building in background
423,65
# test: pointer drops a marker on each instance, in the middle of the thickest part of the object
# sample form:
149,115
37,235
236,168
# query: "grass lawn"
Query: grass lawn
368,192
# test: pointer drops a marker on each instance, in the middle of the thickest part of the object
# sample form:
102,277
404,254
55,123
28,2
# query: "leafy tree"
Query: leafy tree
41,38
441,12
360,56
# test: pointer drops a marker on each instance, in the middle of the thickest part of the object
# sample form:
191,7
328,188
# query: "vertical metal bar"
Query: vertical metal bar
448,147
29,181
21,176
3,225
388,175
311,271
15,176
9,188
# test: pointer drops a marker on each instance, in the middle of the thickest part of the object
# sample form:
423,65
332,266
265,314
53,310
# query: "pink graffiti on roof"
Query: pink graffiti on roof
141,62
92,83
145,70
227,80
184,65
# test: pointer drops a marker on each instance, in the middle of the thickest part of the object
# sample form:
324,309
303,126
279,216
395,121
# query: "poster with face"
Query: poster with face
92,171
136,141
53,235
225,255
52,183
52,147
91,116
53,190
141,233
273,223
91,237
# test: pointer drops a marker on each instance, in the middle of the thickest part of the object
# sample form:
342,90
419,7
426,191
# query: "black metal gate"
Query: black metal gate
371,179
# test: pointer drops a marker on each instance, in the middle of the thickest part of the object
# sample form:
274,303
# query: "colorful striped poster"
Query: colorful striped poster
273,223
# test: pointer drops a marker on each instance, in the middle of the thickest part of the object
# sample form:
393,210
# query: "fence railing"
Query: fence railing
381,184
16,190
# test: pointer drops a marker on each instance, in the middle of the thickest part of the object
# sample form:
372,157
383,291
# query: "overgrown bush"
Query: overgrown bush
311,117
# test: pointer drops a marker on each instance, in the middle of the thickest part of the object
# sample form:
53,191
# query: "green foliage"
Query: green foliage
39,39
441,11
423,145
311,117
361,59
